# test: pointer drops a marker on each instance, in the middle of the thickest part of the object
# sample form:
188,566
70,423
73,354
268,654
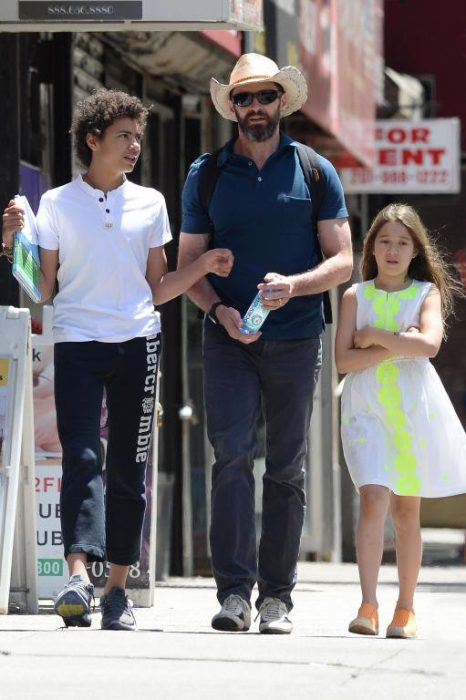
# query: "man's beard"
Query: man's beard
258,132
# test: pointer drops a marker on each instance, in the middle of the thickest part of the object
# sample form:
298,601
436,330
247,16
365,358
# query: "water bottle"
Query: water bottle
254,317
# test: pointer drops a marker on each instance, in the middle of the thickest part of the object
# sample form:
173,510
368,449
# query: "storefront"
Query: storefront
170,70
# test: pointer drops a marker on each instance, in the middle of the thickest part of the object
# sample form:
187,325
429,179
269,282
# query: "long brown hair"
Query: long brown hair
429,265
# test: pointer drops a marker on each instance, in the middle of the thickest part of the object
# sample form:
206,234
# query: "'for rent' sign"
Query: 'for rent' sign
417,157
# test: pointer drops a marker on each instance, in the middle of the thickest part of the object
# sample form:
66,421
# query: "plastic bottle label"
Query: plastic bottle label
254,317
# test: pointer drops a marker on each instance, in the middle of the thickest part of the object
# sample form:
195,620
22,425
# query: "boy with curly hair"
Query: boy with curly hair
101,239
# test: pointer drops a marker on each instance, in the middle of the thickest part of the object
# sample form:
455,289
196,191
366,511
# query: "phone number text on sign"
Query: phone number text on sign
50,567
100,569
425,177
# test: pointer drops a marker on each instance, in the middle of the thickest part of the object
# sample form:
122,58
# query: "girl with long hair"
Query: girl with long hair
401,436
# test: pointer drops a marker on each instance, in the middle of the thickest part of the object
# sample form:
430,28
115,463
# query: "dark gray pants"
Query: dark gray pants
279,377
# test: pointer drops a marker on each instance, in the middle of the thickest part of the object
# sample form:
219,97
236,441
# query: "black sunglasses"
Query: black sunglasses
264,97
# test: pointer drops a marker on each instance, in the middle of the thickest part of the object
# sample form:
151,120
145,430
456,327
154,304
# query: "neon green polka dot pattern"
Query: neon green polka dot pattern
385,307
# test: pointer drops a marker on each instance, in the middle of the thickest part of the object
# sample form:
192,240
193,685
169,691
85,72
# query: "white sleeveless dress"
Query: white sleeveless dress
398,426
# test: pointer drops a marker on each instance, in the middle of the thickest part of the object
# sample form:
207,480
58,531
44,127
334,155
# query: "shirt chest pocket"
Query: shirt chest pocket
295,215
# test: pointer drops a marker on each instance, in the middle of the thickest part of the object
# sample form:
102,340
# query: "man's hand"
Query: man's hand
219,261
13,220
231,320
276,291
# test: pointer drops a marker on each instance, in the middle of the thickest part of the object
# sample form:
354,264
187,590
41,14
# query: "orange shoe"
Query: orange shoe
403,625
367,620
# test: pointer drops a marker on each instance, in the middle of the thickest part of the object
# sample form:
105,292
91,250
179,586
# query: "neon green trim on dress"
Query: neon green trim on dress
385,306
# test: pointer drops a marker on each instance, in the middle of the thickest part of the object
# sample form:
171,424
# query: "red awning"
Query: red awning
229,40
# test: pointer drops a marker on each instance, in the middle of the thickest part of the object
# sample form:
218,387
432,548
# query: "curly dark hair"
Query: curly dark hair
97,112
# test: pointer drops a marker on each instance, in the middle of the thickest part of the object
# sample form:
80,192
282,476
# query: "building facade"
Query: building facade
338,46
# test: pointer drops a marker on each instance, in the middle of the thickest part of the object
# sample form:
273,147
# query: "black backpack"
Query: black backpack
313,176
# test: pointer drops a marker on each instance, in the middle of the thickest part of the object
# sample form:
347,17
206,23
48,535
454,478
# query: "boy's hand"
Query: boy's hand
13,220
219,261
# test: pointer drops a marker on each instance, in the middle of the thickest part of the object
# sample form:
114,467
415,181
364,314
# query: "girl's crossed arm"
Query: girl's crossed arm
422,342
348,357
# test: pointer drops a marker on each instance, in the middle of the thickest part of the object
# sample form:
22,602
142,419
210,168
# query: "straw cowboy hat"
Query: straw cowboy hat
255,68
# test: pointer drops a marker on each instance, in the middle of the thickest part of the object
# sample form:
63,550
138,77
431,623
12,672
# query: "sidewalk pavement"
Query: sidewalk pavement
176,654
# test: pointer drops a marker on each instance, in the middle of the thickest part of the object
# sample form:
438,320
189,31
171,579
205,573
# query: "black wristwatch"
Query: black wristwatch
212,312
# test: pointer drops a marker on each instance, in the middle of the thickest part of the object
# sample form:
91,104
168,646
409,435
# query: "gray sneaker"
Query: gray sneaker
274,617
73,603
234,616
117,613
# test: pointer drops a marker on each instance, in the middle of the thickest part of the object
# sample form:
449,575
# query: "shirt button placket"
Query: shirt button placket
108,223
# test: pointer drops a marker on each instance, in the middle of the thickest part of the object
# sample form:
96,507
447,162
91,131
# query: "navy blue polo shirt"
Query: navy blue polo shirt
264,217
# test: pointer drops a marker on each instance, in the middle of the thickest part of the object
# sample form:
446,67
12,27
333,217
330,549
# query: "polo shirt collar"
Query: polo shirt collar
83,185
226,153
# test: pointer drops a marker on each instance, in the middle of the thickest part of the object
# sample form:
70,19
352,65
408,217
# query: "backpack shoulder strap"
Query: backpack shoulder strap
208,175
315,181
314,177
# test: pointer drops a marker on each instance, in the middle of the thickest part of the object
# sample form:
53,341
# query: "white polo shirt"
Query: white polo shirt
103,243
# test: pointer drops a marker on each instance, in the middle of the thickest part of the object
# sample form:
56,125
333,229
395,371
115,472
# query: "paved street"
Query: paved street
176,654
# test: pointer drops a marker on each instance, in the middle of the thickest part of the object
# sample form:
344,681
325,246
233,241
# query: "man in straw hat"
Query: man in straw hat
261,210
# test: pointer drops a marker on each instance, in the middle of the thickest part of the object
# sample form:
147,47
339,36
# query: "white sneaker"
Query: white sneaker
274,617
234,616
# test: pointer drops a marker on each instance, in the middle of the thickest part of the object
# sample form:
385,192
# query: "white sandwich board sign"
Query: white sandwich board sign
18,567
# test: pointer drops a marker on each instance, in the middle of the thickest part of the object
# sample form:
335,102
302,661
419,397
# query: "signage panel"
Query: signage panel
340,49
4,404
114,15
77,10
51,569
18,573
410,157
